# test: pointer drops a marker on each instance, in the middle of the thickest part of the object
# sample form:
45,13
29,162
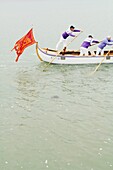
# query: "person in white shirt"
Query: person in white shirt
86,44
63,39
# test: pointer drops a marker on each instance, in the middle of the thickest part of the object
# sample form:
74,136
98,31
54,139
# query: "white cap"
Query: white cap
108,37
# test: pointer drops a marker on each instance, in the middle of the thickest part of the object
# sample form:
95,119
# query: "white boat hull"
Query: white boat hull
51,57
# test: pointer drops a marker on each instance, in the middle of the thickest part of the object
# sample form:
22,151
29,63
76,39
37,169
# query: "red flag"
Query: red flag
23,43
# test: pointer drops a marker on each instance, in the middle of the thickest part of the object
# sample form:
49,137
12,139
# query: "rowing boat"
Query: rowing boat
71,57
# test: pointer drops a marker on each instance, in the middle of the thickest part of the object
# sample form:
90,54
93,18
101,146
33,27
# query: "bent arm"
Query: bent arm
71,34
95,41
77,31
110,43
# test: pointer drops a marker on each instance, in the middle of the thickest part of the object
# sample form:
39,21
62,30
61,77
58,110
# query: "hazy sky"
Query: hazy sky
49,18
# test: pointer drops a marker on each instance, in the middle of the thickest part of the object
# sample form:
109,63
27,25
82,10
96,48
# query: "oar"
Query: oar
74,38
61,51
100,63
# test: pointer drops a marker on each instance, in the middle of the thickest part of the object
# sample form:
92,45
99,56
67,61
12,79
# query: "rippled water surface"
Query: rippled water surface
60,119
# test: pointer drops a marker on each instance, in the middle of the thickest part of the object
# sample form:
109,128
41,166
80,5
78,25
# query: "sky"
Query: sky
50,18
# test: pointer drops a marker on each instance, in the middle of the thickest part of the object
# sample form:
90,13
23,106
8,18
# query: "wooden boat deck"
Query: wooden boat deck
73,53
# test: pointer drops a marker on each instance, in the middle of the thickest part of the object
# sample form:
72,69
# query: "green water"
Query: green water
60,119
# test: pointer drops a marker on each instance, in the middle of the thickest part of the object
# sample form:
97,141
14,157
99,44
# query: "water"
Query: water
60,119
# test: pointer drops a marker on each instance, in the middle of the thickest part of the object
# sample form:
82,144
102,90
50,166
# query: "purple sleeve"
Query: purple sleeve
95,41
77,30
110,43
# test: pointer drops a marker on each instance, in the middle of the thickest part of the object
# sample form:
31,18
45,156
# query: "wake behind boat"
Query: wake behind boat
72,57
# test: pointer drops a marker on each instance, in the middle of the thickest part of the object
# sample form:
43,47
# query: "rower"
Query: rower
102,45
86,44
65,35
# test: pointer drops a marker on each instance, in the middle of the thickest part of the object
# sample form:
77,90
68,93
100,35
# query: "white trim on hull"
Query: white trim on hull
50,57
